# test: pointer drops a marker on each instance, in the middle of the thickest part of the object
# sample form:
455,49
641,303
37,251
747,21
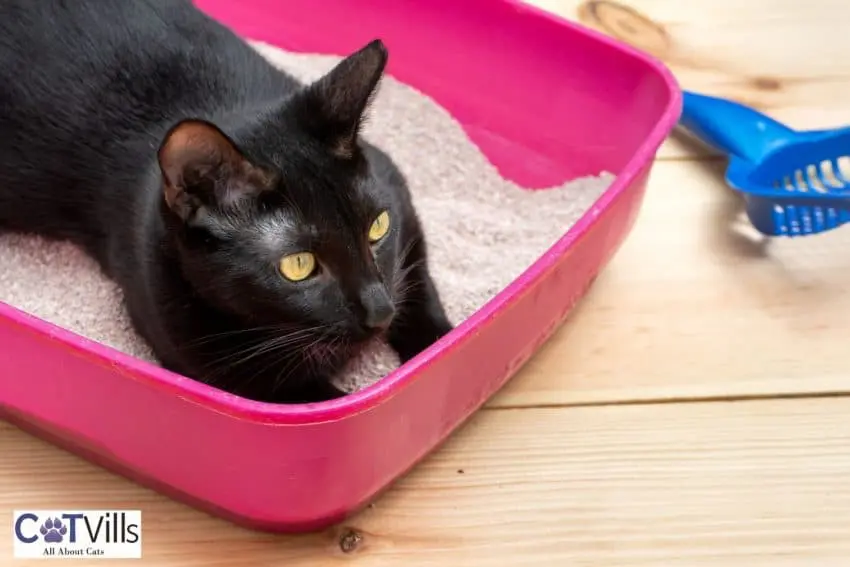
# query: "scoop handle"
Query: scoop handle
732,128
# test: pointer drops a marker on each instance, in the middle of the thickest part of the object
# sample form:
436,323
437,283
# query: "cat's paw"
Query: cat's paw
316,391
411,339
53,530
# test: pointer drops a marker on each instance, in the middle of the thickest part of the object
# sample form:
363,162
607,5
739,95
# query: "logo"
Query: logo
88,534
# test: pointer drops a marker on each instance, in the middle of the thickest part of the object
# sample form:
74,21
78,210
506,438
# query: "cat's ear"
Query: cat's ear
202,167
334,106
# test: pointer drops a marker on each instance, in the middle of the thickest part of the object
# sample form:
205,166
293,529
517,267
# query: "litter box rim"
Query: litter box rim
213,399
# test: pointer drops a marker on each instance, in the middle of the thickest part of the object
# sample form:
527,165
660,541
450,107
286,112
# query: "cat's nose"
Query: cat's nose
377,306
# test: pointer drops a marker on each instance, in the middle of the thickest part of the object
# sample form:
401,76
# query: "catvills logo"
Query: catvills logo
90,534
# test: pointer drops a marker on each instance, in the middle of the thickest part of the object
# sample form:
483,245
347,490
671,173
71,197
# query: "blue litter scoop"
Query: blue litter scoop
794,183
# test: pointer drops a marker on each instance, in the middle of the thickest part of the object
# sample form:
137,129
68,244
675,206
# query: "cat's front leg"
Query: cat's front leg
314,391
422,319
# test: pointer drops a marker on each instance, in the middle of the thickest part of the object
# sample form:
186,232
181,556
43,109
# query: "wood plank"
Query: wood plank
784,57
696,306
692,485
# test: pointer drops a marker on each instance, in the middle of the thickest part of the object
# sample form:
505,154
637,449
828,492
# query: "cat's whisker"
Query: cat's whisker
401,259
406,286
284,356
250,376
265,345
405,252
401,275
208,338
401,296
270,347
244,349
288,371
298,355
312,357
321,357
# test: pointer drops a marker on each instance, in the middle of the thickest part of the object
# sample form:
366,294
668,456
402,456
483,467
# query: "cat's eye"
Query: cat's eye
297,267
380,227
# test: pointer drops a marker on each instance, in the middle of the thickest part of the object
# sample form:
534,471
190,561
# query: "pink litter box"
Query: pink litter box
546,100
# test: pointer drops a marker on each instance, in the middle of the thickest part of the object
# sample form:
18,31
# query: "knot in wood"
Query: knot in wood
626,24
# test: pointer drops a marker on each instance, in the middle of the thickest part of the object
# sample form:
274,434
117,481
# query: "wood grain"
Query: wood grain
696,305
693,485
784,57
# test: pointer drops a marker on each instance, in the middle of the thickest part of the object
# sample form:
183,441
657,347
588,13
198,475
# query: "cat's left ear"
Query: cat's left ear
333,107
201,167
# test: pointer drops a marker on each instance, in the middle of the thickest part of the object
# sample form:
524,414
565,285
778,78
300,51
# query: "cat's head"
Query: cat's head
283,220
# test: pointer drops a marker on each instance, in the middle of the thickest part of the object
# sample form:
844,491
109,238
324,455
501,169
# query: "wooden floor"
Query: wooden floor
696,410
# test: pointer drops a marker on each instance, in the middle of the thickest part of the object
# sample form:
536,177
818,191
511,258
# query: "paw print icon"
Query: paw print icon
53,530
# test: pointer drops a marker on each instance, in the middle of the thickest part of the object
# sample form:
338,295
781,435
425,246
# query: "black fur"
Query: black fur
187,166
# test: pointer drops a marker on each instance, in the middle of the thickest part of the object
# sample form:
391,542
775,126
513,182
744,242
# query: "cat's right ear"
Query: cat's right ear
201,167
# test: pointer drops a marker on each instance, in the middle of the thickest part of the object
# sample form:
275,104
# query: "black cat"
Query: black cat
259,242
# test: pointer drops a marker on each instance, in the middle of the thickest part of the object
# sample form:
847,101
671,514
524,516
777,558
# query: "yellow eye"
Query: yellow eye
297,267
380,227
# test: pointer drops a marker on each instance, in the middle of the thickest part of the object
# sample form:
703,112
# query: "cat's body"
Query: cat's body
201,178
